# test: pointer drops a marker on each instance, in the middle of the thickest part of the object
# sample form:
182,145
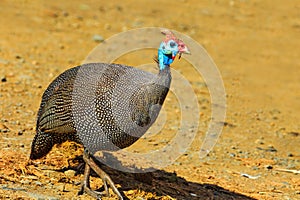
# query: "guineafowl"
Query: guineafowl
104,107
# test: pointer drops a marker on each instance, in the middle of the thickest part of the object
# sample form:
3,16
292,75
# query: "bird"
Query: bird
104,106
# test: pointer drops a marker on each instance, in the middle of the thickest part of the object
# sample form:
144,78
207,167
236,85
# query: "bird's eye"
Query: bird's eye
172,44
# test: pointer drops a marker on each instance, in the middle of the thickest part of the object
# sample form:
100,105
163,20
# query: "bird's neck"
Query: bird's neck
165,69
164,60
164,75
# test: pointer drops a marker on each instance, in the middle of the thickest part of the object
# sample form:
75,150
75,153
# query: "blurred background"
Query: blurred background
255,46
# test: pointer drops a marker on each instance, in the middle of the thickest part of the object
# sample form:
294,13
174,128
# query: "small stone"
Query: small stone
3,79
5,130
259,141
293,133
271,149
20,132
34,62
19,104
38,183
269,167
193,194
98,38
232,155
68,187
290,155
70,173
60,186
25,182
130,192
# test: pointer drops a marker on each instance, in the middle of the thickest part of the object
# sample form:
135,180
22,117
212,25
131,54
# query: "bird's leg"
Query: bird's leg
85,187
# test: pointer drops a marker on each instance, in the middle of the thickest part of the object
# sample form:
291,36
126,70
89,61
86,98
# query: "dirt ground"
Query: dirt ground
255,44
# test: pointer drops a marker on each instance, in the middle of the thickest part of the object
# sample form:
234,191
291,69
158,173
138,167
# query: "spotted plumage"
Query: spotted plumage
103,106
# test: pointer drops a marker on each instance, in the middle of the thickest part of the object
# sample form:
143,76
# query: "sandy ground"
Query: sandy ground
256,47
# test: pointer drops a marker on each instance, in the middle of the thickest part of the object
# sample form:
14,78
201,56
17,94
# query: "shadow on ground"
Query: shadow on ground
161,183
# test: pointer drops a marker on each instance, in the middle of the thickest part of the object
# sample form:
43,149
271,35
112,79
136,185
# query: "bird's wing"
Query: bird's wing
55,114
69,74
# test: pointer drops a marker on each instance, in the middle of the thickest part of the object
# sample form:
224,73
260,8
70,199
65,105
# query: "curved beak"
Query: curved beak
185,50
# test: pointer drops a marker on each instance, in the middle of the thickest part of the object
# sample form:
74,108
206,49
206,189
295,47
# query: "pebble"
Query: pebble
193,195
38,183
293,133
18,57
34,62
5,130
70,173
59,186
269,167
68,187
130,192
259,141
3,79
271,149
290,155
232,155
25,182
98,38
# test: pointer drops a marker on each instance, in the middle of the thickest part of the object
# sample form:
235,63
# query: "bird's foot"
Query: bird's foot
92,193
85,187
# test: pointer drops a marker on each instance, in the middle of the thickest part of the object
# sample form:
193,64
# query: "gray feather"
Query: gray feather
102,106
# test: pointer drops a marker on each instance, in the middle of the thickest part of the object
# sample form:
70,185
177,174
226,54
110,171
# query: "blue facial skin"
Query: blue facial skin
166,53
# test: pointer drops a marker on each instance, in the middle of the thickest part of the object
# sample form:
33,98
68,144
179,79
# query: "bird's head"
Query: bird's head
169,48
